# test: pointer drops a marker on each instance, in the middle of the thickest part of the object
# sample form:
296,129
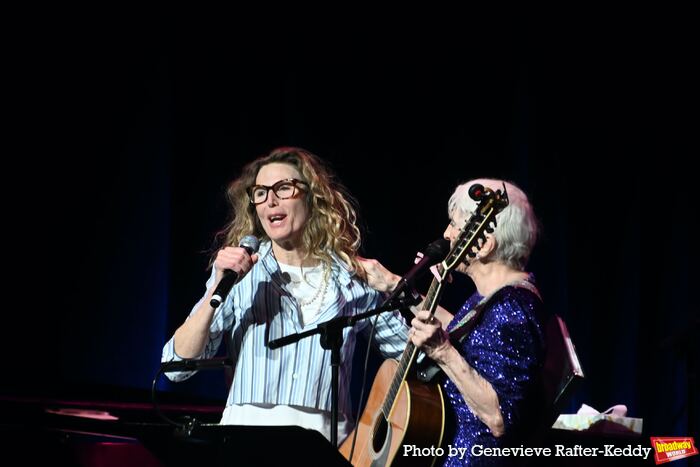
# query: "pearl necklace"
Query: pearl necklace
320,290
322,287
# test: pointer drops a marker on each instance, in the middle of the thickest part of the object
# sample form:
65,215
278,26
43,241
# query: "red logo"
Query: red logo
671,449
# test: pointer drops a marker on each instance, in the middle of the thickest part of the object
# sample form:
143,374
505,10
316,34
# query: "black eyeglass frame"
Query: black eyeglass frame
295,184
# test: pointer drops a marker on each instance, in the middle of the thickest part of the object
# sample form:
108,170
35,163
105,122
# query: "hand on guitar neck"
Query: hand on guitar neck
427,334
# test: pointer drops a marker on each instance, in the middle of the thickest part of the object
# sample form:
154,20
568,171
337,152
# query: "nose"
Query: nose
272,199
447,234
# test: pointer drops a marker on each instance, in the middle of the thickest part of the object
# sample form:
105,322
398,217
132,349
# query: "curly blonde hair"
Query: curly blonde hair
331,226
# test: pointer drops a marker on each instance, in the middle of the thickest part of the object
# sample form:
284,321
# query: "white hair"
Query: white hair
516,225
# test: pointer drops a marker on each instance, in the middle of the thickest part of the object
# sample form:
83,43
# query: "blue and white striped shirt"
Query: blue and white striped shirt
260,308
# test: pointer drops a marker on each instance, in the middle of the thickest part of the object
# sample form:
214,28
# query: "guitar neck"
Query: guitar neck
482,221
410,352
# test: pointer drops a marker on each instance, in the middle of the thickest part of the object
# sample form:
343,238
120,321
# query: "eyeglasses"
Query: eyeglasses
283,189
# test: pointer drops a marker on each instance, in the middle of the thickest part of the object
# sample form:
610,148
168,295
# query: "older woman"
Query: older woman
491,372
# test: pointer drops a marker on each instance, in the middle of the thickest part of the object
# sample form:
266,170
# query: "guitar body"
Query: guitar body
417,419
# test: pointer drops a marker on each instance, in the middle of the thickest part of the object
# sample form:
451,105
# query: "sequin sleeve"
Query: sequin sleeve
507,348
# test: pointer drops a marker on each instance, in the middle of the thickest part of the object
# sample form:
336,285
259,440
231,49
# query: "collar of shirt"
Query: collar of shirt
339,270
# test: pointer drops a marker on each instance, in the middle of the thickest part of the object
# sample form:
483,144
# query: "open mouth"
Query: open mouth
276,219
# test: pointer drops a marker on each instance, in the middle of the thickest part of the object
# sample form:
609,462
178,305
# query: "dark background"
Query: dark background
124,131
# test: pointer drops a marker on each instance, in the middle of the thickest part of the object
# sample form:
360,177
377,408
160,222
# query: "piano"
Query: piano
97,432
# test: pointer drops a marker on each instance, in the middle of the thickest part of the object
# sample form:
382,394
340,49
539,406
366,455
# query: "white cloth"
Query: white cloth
268,414
309,284
613,420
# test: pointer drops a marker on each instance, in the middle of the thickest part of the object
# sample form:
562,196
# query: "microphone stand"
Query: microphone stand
332,339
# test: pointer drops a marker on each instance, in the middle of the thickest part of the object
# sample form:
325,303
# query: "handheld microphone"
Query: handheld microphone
251,245
433,254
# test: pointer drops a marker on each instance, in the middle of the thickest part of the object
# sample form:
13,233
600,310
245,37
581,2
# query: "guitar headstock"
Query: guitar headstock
483,221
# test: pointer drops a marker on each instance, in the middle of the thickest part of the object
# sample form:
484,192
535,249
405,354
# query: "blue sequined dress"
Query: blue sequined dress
507,348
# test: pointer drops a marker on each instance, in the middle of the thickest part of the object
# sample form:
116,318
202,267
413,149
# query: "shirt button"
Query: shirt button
294,376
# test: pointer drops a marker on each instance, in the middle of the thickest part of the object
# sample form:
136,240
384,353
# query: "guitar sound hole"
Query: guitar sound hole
380,432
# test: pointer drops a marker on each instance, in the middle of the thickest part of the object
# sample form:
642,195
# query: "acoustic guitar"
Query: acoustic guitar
404,416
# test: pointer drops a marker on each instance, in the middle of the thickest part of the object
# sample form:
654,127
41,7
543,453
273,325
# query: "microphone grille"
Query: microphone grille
250,243
438,249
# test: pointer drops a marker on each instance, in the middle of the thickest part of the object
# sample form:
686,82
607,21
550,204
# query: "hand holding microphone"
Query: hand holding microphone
237,263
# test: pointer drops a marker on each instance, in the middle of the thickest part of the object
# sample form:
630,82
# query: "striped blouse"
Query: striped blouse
260,308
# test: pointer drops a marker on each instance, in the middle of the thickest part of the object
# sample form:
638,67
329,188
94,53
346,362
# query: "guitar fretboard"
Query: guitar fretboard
409,354
474,229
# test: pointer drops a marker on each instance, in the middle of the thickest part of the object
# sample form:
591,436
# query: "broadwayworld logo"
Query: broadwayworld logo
671,449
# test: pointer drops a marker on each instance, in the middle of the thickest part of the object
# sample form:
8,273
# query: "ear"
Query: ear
488,247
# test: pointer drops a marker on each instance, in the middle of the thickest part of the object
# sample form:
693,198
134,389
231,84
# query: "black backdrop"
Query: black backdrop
126,131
